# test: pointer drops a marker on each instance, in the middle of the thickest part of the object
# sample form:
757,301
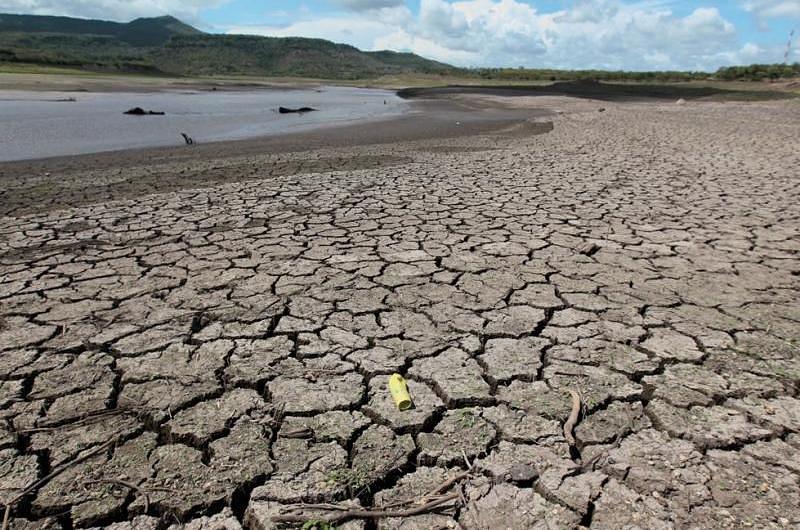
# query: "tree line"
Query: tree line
754,72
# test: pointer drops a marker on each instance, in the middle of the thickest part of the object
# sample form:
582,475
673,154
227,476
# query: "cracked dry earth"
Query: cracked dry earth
234,342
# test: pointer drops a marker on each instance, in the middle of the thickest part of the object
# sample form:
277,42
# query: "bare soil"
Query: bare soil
228,316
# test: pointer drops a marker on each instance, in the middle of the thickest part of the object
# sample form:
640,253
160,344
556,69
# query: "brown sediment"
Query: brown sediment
603,91
244,304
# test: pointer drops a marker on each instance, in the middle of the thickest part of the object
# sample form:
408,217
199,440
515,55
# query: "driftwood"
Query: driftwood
139,111
301,110
188,139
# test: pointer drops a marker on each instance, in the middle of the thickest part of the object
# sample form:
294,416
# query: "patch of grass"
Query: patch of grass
781,372
466,418
353,479
317,525
748,353
29,68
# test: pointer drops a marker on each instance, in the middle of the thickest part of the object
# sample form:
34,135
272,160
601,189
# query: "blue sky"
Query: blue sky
616,34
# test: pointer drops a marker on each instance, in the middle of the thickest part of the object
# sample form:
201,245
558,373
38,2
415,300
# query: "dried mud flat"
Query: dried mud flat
210,356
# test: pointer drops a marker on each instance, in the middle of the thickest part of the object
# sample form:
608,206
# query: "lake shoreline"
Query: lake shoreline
424,120
432,112
37,125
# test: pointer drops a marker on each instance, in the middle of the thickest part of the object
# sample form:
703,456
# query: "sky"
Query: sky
607,34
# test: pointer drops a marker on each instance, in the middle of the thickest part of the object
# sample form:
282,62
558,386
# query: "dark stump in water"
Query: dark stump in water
139,111
286,110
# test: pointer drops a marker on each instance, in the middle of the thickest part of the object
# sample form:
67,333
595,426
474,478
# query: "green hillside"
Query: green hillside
167,45
293,56
142,32
410,61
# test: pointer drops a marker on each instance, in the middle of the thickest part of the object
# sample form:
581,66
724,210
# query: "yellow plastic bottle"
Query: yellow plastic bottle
399,390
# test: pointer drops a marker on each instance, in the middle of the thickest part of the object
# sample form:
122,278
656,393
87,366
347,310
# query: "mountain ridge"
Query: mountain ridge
139,32
167,45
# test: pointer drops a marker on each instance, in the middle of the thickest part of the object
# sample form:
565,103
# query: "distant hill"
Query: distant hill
167,45
292,56
140,32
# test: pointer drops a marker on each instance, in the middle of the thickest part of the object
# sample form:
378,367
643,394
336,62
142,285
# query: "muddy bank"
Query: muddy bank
444,118
602,91
60,182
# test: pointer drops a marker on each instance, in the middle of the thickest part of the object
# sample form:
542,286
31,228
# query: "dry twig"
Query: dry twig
466,460
433,494
132,487
569,425
447,484
365,513
303,432
57,471
88,419
6,516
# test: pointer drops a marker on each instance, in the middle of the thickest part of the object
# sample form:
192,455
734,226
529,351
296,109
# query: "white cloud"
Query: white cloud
119,10
765,9
361,32
609,34
358,29
751,50
593,34
472,32
367,5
